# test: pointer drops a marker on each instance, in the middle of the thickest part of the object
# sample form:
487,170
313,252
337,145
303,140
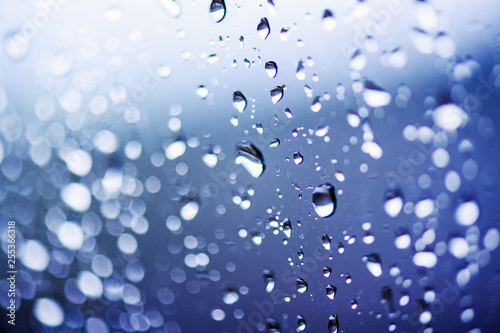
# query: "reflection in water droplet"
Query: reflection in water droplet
276,94
375,96
301,285
393,202
239,101
331,291
269,280
271,69
324,200
251,158
298,158
217,10
263,28
372,262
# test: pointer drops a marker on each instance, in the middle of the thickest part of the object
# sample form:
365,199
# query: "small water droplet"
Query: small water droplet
217,10
239,101
269,280
263,28
202,92
275,143
300,73
316,104
271,69
287,228
172,7
325,240
324,200
327,271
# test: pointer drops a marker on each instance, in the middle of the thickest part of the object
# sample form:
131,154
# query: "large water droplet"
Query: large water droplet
251,158
333,324
331,291
263,28
217,10
239,101
276,94
324,200
372,262
467,213
269,280
329,23
375,96
393,202
301,323
271,69
287,228
301,285
298,158
449,117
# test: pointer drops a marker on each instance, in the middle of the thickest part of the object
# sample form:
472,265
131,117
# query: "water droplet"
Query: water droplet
271,69
202,92
424,208
70,235
358,60
450,117
301,323
325,240
76,196
316,104
269,280
354,304
393,202
298,158
287,228
467,213
288,113
403,240
375,96
301,285
172,7
275,143
217,10
333,324
251,158
300,254
239,101
263,28
327,271
48,312
175,149
425,259
300,73
329,23
276,94
373,264
324,200
331,291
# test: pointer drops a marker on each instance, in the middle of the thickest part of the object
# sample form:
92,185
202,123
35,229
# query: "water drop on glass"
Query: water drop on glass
217,10
393,202
324,200
276,94
239,101
373,264
271,69
263,28
331,291
298,158
269,280
251,158
301,285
